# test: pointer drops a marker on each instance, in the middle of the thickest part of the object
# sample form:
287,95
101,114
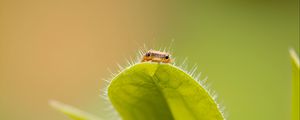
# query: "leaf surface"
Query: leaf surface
152,91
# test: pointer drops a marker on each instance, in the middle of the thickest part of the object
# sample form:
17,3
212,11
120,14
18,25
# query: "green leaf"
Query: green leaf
153,91
72,112
295,85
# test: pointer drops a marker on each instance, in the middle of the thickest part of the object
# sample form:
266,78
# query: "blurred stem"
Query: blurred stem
72,112
295,85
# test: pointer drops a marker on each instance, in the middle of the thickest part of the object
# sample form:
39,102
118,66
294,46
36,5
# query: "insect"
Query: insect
156,56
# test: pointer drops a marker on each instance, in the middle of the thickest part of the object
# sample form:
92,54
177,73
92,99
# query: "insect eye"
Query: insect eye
167,57
148,54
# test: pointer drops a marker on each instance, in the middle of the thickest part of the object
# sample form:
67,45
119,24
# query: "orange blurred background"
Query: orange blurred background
61,49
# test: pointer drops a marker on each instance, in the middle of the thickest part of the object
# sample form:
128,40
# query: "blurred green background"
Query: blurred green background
61,49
